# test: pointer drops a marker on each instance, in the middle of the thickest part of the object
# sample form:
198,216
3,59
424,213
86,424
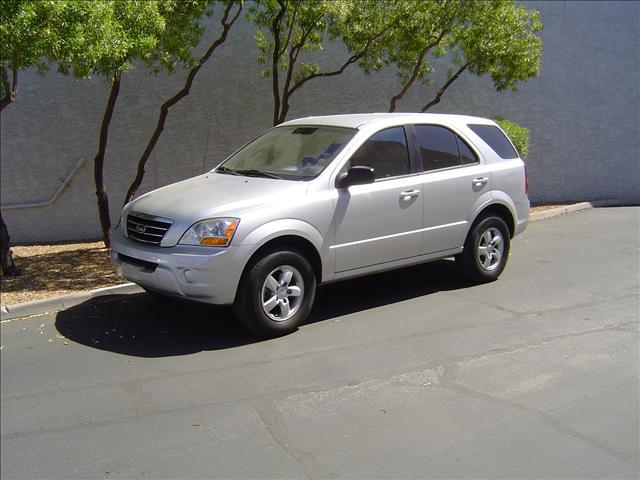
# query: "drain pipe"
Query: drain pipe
44,203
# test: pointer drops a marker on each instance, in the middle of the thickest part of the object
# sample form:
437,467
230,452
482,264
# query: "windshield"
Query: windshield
292,152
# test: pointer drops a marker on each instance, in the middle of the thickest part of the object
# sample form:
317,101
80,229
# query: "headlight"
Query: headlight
214,232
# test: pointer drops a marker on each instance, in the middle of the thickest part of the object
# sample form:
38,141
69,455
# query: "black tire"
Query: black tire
470,261
248,305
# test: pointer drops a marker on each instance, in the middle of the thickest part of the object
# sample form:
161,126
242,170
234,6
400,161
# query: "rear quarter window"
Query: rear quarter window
497,140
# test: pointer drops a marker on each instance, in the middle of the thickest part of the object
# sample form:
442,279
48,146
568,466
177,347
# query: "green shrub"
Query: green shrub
518,135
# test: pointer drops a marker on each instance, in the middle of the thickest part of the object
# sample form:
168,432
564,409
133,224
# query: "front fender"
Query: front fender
292,227
282,227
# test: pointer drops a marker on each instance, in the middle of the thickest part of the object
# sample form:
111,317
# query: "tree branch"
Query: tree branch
293,20
443,88
414,73
293,57
352,59
164,108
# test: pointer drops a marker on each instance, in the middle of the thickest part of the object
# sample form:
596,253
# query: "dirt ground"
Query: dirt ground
52,270
62,269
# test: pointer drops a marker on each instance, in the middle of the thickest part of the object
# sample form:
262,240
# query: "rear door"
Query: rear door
454,178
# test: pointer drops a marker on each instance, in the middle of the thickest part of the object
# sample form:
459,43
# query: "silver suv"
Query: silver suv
320,199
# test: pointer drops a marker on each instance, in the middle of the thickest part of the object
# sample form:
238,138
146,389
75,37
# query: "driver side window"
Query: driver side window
386,152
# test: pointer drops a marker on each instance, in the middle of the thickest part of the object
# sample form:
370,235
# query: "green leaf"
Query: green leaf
100,37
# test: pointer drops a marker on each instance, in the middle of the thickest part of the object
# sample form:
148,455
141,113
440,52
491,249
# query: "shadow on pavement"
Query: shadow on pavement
145,325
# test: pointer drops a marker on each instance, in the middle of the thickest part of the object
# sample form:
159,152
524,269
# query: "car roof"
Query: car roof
357,120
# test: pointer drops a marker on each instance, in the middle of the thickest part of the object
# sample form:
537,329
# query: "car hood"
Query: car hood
214,195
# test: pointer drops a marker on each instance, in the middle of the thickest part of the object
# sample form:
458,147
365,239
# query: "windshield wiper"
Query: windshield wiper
226,170
252,172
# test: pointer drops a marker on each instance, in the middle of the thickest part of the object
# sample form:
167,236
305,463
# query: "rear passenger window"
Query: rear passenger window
466,154
494,137
386,152
441,148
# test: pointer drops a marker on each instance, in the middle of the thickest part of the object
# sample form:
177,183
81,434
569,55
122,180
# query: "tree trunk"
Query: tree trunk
443,88
284,109
275,84
414,74
10,90
98,163
184,91
7,266
6,255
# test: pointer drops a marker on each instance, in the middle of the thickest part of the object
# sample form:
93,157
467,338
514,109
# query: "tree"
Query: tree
424,28
106,37
286,28
227,21
495,37
24,42
7,264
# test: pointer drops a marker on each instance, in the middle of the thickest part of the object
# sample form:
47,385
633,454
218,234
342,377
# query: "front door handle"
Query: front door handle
407,194
480,181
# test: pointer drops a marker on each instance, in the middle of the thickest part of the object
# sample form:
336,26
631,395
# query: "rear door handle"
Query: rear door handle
407,194
479,181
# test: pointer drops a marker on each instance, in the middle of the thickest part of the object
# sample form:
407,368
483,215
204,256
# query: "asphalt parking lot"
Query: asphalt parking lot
406,374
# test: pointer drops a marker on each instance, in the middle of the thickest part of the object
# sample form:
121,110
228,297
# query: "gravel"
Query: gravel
60,269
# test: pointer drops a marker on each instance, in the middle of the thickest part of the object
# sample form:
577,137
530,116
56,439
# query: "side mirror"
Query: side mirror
359,175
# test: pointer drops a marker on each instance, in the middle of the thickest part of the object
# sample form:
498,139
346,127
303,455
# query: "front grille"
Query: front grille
146,229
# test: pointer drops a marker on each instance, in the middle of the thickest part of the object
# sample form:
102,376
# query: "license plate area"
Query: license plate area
147,267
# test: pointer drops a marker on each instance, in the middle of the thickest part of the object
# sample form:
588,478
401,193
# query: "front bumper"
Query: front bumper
204,274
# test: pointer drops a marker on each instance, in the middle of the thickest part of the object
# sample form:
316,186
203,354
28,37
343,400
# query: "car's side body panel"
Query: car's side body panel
356,231
377,223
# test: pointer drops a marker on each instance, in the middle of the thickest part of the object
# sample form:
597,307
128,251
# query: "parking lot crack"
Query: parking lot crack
277,428
544,417
605,388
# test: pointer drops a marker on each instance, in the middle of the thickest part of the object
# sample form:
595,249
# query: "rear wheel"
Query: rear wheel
486,250
276,293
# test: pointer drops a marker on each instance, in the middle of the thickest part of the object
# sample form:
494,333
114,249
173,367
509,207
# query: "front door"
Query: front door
379,222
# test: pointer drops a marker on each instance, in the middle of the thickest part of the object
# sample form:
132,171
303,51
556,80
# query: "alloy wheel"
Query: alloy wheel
282,293
490,249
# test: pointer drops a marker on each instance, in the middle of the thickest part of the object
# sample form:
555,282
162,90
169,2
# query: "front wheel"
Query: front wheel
276,293
486,250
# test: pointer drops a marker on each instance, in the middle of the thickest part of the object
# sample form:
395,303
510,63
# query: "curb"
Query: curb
576,207
55,304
